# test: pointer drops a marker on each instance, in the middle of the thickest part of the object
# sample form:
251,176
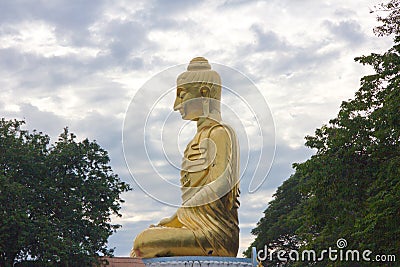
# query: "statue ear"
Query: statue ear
205,91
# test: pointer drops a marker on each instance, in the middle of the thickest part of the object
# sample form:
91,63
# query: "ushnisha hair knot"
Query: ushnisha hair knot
198,64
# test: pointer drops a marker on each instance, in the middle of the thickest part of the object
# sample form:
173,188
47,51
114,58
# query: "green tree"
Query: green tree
350,187
284,215
56,200
378,228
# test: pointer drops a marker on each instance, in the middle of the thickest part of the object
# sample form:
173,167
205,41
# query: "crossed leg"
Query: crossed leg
166,241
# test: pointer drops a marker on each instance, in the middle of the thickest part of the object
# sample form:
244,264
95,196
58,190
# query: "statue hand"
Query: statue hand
165,221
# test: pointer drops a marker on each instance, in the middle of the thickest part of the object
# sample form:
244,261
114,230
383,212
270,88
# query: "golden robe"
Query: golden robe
207,222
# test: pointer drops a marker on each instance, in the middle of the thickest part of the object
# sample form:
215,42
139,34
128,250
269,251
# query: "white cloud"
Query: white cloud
39,37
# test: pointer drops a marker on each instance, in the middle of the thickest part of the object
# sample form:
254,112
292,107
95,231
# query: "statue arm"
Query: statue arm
221,170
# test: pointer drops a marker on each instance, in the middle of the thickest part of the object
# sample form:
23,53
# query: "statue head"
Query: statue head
198,91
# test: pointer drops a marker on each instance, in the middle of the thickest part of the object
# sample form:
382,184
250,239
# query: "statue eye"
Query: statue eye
182,94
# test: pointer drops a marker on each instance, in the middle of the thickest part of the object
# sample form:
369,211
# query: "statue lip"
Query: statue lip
182,111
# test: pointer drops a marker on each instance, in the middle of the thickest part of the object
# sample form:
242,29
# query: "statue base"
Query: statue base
192,261
197,261
182,261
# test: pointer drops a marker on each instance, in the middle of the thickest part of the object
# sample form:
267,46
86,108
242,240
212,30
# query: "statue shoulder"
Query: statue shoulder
223,133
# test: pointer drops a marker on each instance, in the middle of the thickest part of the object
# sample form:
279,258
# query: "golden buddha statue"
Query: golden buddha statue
207,222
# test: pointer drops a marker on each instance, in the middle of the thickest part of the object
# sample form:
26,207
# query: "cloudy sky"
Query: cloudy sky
91,65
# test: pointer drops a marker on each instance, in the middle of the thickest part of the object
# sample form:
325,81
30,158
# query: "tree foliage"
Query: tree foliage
351,187
284,215
55,199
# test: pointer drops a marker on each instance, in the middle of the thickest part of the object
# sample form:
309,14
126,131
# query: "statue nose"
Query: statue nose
177,107
177,104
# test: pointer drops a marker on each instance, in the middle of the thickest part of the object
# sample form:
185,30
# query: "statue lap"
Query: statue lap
167,241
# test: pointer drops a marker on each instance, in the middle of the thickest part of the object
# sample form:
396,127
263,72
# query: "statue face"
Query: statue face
188,101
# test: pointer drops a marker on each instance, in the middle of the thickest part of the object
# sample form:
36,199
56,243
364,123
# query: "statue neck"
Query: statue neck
207,122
